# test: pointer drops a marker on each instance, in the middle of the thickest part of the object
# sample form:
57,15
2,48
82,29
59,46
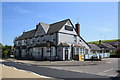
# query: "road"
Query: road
104,69
63,72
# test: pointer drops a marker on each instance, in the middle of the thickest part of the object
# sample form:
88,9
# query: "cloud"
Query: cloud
105,29
47,17
21,10
102,29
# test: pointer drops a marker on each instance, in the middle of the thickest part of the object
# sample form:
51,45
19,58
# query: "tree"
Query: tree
0,50
7,51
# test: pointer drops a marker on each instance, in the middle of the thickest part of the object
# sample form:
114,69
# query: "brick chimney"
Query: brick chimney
77,28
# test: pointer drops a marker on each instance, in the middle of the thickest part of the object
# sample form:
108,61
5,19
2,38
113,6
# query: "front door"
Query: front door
66,53
42,53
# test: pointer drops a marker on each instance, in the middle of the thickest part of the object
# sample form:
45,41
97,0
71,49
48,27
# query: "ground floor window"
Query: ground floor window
86,51
79,50
35,51
53,51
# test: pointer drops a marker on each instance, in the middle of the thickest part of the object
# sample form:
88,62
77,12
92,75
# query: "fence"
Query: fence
102,55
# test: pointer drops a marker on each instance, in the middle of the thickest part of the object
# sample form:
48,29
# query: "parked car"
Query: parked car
94,56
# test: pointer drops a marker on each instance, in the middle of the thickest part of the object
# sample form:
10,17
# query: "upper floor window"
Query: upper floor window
69,28
16,42
75,38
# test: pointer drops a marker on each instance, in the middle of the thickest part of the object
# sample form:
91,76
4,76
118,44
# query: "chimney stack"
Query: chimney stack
100,41
23,31
77,28
37,26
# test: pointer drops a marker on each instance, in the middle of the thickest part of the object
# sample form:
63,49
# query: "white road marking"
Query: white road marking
105,72
108,70
29,64
108,62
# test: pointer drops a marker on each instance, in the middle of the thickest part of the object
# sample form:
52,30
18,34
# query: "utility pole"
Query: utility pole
100,36
105,37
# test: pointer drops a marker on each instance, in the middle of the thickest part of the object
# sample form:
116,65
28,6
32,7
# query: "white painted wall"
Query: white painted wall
70,39
67,31
66,38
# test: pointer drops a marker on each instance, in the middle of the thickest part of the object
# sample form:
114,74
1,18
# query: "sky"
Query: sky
98,20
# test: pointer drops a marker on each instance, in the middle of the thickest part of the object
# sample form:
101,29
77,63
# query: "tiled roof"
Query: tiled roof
108,45
27,34
52,28
56,26
78,45
94,47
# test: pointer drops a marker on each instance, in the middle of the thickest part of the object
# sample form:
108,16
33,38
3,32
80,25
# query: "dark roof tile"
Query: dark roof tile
27,34
56,26
94,47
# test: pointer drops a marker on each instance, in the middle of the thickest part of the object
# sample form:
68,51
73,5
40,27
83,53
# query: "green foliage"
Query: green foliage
96,42
114,54
7,51
100,57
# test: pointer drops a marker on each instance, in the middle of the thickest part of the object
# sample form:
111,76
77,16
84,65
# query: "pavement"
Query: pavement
12,72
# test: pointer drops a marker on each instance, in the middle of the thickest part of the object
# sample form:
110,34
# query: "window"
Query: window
69,28
75,38
77,50
51,49
16,42
22,42
80,50
42,35
86,51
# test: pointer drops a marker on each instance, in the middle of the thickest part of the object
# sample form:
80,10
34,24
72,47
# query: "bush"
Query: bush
118,51
100,57
7,51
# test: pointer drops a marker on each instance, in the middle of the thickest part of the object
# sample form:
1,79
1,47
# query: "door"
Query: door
66,53
42,53
20,55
